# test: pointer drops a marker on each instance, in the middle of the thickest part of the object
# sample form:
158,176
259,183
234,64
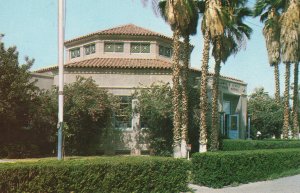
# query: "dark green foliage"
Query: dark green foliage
20,107
43,122
241,145
88,111
122,175
266,115
218,169
156,116
194,117
15,95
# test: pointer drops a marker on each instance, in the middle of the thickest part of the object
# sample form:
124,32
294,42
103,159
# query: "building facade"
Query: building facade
123,58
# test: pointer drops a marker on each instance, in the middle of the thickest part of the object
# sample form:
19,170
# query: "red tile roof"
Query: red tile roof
124,63
116,63
129,29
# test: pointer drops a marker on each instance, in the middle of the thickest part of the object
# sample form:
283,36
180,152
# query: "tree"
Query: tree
88,111
43,121
155,107
181,15
211,26
267,114
269,12
190,28
235,34
16,94
289,40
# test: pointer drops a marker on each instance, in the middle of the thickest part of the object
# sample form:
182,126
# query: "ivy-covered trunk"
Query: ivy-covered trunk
277,85
185,100
176,94
295,103
215,95
286,115
203,94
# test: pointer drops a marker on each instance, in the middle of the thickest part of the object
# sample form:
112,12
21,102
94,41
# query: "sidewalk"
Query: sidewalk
289,184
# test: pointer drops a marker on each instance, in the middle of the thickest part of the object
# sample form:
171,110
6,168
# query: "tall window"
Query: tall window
90,49
165,51
113,47
75,52
140,48
122,118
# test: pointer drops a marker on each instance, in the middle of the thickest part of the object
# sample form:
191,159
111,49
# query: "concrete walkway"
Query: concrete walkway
289,184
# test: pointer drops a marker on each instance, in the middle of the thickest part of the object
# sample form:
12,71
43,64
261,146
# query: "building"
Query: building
123,58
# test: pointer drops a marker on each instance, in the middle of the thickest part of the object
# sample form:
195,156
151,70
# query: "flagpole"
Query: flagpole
61,4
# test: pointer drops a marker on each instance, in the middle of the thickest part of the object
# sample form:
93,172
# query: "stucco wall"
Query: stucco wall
43,81
118,81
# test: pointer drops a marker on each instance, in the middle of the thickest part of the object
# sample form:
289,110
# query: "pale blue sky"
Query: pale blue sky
31,25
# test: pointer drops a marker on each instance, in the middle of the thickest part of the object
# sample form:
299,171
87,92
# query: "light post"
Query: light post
61,18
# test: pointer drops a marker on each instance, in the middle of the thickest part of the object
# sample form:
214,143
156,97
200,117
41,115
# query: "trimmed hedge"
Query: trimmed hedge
115,174
218,169
240,145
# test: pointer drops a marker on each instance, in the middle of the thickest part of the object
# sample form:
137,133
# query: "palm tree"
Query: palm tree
182,17
211,26
268,10
191,29
289,39
224,45
296,19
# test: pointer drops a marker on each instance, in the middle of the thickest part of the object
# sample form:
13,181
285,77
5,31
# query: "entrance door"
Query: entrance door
227,112
234,127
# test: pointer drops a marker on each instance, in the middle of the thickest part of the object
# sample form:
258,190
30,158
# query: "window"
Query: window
75,52
90,49
165,51
140,48
122,118
113,47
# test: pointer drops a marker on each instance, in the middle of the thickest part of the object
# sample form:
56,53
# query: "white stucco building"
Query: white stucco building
123,58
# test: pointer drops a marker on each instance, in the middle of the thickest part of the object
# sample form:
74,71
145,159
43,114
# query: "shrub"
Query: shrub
218,169
240,145
122,174
267,115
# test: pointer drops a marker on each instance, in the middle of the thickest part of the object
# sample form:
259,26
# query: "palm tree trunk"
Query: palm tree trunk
203,94
277,84
185,113
175,100
286,115
295,103
215,95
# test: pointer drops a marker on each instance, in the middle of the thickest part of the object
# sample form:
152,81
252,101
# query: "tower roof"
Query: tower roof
126,30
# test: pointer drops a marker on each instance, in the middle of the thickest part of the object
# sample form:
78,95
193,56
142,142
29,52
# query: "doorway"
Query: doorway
233,127
230,122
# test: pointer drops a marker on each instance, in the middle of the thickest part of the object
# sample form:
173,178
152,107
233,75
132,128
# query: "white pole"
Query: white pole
61,4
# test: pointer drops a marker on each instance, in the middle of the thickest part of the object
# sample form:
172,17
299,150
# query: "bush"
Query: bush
18,151
122,174
267,115
240,145
218,169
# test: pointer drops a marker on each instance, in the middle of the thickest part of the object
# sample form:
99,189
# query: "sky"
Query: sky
31,25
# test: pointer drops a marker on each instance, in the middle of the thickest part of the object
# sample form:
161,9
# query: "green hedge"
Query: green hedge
218,169
116,174
240,145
